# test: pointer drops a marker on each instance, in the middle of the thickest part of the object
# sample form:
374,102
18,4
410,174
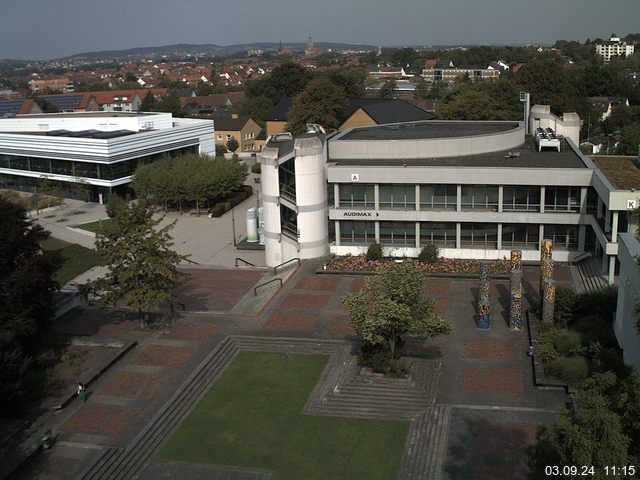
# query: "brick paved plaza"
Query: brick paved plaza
481,393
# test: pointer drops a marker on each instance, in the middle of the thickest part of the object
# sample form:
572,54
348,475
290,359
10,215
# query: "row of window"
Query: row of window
473,197
111,171
472,235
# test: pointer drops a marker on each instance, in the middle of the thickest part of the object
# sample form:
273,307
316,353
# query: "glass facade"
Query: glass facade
72,168
356,196
562,199
398,196
520,235
399,234
357,233
439,234
479,235
521,198
480,197
564,237
438,197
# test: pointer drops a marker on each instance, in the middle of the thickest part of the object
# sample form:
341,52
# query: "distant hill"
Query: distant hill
206,49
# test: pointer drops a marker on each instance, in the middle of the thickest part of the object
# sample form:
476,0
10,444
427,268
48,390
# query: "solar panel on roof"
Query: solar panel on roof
84,133
10,106
113,134
70,101
58,133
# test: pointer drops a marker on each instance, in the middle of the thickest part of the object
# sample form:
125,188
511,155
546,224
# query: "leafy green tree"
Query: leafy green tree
388,89
149,103
15,369
549,83
592,435
351,79
472,105
114,205
232,144
220,150
630,141
256,108
142,267
286,80
320,102
391,305
27,281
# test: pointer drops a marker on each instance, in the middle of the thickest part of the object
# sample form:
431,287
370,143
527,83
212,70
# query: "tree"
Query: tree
220,150
149,103
232,144
472,105
320,102
391,305
388,89
27,281
592,435
352,79
630,141
142,267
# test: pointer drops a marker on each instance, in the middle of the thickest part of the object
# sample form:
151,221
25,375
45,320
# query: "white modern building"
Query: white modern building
100,150
625,325
473,189
614,47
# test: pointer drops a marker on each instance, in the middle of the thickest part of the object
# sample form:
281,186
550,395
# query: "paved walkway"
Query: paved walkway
483,399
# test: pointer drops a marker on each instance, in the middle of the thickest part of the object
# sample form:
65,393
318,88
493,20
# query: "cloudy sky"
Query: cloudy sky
43,29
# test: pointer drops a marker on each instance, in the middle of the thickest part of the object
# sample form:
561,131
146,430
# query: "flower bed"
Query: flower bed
359,263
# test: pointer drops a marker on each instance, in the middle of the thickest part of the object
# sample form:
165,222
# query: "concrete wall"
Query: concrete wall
429,147
625,324
85,121
567,126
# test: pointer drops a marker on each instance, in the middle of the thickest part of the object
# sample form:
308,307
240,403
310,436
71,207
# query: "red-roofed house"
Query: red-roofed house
124,100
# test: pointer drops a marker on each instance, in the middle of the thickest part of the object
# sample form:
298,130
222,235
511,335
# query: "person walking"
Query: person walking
82,392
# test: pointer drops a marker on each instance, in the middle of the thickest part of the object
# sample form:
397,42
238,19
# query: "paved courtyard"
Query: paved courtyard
481,395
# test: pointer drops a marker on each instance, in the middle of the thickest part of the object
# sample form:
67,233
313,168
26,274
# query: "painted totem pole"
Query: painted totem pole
484,307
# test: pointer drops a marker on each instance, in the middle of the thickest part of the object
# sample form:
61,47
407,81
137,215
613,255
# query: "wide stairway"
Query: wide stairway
589,272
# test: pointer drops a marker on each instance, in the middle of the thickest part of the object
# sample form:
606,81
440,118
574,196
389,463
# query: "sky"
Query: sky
46,29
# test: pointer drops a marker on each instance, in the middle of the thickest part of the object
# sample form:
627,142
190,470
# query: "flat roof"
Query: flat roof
621,171
88,114
428,130
525,156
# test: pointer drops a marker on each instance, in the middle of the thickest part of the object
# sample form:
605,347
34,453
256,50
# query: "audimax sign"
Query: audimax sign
360,214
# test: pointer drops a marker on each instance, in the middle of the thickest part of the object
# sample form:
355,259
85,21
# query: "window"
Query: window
564,237
479,235
438,197
353,196
398,196
357,233
61,167
521,198
228,137
562,199
520,235
219,137
438,234
401,234
480,197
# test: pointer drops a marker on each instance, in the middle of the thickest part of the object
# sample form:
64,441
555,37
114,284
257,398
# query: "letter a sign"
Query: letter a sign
355,177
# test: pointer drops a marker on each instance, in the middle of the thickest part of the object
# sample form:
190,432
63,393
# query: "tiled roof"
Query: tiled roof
229,123
106,97
67,101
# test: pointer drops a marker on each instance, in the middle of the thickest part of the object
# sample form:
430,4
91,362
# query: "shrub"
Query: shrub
601,302
428,254
567,342
545,347
594,328
114,205
572,370
565,306
375,252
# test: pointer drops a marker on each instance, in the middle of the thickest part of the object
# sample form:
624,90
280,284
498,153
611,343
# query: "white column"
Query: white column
336,195
583,200
377,232
541,235
614,227
458,198
376,196
500,200
458,235
582,232
542,194
612,269
337,230
417,234
417,197
500,232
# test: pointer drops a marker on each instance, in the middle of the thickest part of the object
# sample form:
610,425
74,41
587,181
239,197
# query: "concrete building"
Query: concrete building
614,47
474,189
97,151
450,73
625,325
243,129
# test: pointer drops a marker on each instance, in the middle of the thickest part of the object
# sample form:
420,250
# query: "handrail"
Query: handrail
238,259
275,269
579,258
255,289
191,261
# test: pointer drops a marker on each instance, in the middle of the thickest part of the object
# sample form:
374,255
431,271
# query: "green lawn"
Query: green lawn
76,259
94,226
252,418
